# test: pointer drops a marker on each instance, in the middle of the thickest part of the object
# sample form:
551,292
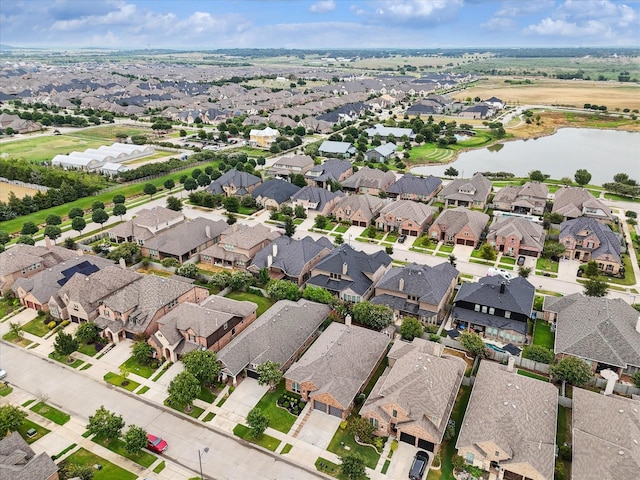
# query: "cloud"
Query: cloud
413,12
498,24
562,28
323,6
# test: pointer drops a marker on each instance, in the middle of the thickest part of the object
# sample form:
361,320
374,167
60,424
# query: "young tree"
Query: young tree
15,329
78,224
339,240
487,252
118,198
572,370
119,209
190,184
105,424
374,316
320,222
471,341
596,287
257,421
75,212
135,439
451,172
100,216
591,270
353,466
452,260
97,205
53,219
269,374
203,180
11,419
142,352
52,232
582,177
289,227
4,237
232,204
26,239
283,289
220,279
189,270
29,228
202,364
87,332
240,280
317,294
169,184
263,276
150,189
362,428
174,203
524,272
300,212
183,390
538,353
411,328
553,249
65,344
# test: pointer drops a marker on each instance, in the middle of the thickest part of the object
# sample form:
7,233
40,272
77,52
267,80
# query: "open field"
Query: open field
551,121
44,148
19,191
108,133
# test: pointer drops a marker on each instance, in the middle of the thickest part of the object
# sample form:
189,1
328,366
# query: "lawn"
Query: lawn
206,395
547,265
36,327
508,260
526,373
108,133
88,350
446,248
134,366
143,390
286,449
38,149
263,302
279,418
194,413
325,466
118,380
6,306
13,338
159,467
63,359
342,439
542,334
341,229
264,440
564,425
5,390
109,471
53,414
27,425
629,276
143,458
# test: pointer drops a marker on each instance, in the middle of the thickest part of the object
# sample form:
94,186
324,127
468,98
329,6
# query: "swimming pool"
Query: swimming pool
495,348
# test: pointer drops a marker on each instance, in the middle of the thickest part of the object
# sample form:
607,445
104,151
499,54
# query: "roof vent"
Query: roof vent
621,411
620,452
505,403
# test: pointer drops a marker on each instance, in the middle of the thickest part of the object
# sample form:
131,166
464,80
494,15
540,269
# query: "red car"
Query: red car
156,444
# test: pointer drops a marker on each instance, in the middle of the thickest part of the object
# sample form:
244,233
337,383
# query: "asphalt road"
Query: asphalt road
81,396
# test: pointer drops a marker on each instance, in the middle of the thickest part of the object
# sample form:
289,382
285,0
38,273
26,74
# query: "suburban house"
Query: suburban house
285,166
381,153
290,259
36,291
136,308
18,461
418,291
336,149
369,180
528,199
509,428
234,183
184,240
147,223
280,335
478,111
337,367
332,170
210,325
350,274
237,245
495,308
516,236
461,192
274,193
360,210
316,198
24,261
574,202
604,332
412,187
405,217
604,436
495,102
414,397
384,132
263,138
587,239
459,226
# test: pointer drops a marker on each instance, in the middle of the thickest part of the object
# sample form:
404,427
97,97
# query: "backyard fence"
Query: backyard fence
18,183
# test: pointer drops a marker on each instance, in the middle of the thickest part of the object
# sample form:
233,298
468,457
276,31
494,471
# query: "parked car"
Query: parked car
521,260
419,465
3,373
156,444
402,238
500,271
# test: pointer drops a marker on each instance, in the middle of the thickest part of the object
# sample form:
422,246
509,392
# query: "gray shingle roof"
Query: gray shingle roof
18,461
530,234
336,147
569,202
609,243
430,284
340,361
330,170
185,237
241,180
478,187
518,413
409,210
385,149
455,219
276,189
369,177
146,223
318,195
368,205
411,184
242,236
21,256
517,297
292,255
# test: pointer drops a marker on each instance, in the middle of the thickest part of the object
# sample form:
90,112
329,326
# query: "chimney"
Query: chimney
502,285
207,231
122,263
611,377
275,249
638,325
347,320
47,242
510,364
344,268
269,261
401,285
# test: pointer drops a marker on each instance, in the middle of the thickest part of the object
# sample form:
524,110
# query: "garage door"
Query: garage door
426,445
335,411
460,241
406,438
471,243
252,374
319,406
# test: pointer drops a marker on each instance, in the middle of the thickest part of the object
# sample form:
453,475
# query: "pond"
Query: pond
602,152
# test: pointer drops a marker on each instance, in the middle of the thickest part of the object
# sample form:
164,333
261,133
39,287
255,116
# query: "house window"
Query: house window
476,308
75,307
492,311
374,422
395,414
507,314
172,303
295,387
497,454
469,457
413,298
192,338
335,276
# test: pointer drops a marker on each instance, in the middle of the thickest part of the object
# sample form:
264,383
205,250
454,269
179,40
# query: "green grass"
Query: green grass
143,458
564,425
279,418
36,327
620,198
159,467
206,395
325,466
446,248
88,350
86,366
264,440
263,302
194,413
342,439
542,334
374,378
222,400
109,471
63,359
27,425
143,390
133,366
526,373
70,447
341,229
165,367
547,264
38,149
385,467
629,275
53,414
208,417
5,390
508,260
117,380
6,307
286,449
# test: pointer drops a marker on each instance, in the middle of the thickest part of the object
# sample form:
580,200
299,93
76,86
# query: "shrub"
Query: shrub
65,323
559,471
41,313
169,262
565,453
436,461
145,262
51,325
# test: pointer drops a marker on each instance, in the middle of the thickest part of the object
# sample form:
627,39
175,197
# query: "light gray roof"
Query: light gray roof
605,436
423,382
477,188
276,335
533,192
336,147
146,223
429,284
570,201
370,178
318,195
18,461
412,184
187,236
291,255
609,242
385,149
20,256
289,161
455,220
408,209
331,169
530,234
368,205
518,413
340,361
384,131
600,329
245,236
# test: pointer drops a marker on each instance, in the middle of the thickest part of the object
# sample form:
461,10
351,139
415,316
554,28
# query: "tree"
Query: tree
352,466
97,205
119,209
52,231
87,332
582,177
53,219
189,270
472,342
452,260
169,184
73,470
572,370
524,272
596,287
591,270
411,328
202,364
298,180
142,352
65,344
183,390
487,252
339,239
240,280
257,421
128,251
220,279
537,176
203,180
636,379
374,316
190,184
29,228
538,353
135,439
320,222
26,239
451,172
317,294
289,227
232,204
269,374
105,424
362,428
150,189
118,198
300,212
11,419
78,224
100,216
283,290
4,237
15,329
553,249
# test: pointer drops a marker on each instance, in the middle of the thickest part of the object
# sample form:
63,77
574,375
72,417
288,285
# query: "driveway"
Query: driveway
242,400
401,461
118,354
319,429
567,270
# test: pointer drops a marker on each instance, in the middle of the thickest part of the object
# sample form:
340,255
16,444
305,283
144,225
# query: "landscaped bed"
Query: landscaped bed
66,359
133,366
108,470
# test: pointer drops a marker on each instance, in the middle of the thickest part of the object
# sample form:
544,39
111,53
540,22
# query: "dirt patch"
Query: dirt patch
212,268
551,121
19,191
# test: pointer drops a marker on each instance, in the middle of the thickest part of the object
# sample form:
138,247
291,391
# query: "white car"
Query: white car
3,373
500,271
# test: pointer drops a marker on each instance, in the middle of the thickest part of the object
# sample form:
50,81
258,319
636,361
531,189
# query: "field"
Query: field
20,192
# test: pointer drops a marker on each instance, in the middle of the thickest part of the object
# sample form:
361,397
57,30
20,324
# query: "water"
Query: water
602,152
494,347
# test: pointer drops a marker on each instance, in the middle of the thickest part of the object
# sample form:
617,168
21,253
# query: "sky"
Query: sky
318,24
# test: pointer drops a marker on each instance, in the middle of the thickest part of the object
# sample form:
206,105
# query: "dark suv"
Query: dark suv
419,465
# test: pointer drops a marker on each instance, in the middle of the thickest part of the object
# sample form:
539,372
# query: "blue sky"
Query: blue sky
319,24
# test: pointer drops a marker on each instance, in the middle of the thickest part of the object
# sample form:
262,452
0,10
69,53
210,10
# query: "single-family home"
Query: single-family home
280,335
381,153
461,192
18,461
263,138
147,223
478,111
459,226
516,236
528,199
496,308
315,198
509,427
384,132
290,164
405,217
495,102
274,193
369,180
330,148
412,187
586,239
350,274
237,246
290,259
360,210
574,202
337,367
414,397
332,170
418,291
234,183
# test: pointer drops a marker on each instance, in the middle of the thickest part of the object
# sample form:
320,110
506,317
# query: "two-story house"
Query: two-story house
528,199
291,164
516,236
587,239
274,193
473,192
574,202
459,226
147,223
369,180
332,170
412,187
360,210
234,183
238,245
263,138
319,199
405,217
